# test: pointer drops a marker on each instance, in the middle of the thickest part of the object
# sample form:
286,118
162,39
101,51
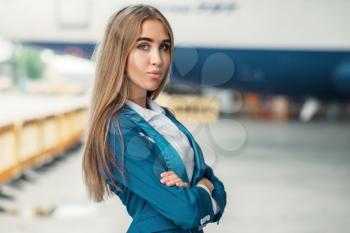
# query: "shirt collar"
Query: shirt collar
146,113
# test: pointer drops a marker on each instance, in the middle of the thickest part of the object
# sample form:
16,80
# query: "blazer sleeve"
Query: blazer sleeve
219,193
186,207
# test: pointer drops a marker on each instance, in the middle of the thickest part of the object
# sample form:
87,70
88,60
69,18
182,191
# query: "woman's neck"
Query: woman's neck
139,101
138,96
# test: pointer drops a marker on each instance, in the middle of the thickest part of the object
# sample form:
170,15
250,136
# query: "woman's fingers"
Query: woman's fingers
170,179
178,183
172,182
165,174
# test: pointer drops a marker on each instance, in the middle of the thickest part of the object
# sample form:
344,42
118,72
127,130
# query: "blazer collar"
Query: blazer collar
168,152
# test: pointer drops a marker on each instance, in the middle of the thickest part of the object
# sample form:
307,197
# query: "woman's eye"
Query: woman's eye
164,47
143,46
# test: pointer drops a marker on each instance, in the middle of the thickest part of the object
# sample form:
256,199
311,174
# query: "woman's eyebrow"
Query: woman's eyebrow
151,40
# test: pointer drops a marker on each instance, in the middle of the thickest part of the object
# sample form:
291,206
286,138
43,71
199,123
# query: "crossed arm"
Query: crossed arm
184,205
213,184
170,178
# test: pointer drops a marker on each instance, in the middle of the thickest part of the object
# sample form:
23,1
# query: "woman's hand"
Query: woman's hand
207,183
170,179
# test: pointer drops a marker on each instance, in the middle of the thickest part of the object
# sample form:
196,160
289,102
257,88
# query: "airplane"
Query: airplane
297,48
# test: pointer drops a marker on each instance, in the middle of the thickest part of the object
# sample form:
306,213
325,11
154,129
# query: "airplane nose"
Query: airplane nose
342,78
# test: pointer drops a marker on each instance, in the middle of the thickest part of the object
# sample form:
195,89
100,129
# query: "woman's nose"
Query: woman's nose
156,58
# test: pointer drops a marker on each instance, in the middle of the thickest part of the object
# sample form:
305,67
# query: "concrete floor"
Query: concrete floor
279,177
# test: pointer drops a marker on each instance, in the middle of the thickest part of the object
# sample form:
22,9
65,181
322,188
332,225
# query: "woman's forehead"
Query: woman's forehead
154,29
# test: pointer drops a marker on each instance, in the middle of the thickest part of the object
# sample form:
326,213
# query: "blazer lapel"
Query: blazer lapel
199,164
167,151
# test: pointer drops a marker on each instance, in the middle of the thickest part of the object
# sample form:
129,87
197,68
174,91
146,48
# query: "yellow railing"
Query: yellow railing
191,108
32,142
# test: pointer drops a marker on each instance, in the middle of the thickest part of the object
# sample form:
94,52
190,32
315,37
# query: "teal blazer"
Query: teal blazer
153,206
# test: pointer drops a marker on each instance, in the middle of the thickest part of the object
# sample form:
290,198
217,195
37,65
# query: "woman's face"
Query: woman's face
149,59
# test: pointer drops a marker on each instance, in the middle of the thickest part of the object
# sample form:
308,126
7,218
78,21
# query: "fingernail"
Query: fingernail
162,180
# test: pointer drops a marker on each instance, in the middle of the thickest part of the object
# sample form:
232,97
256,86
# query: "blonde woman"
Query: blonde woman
136,148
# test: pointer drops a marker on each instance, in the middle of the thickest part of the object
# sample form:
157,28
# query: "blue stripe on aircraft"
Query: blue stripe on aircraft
299,73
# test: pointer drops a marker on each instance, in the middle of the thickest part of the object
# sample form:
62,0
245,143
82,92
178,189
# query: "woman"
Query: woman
136,148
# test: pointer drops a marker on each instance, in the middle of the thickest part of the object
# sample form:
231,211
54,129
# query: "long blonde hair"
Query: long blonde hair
111,91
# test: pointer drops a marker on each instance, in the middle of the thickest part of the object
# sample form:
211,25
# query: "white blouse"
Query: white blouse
156,117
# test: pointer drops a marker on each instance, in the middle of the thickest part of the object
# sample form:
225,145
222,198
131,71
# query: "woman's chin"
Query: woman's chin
153,87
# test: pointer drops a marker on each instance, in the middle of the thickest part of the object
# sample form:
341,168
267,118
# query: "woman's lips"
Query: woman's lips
154,74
